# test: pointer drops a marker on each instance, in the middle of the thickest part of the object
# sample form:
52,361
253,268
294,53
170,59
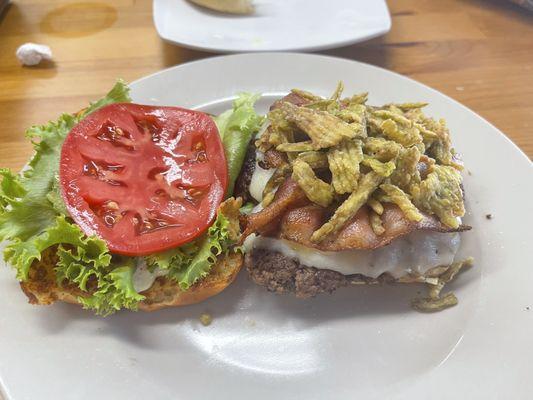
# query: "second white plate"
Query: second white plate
276,25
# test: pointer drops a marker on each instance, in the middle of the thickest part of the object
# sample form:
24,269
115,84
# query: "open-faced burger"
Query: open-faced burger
349,193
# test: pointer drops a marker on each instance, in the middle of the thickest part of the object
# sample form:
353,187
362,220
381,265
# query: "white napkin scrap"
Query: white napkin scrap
33,54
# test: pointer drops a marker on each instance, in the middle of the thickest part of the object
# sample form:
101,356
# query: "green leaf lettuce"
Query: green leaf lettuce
189,263
237,127
33,217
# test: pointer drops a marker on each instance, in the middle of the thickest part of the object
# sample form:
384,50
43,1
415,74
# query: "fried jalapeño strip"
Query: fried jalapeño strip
345,155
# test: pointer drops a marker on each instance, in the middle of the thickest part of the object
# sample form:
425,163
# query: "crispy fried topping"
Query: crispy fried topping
333,145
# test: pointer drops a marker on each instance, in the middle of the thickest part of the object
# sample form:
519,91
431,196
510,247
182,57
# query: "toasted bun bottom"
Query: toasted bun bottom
41,287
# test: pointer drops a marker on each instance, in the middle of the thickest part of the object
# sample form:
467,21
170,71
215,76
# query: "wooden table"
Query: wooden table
479,52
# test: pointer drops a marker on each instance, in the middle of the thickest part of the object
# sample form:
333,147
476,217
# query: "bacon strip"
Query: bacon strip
288,196
293,98
293,217
299,224
273,159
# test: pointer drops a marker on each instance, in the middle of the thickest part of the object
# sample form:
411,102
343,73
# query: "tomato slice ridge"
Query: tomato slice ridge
143,178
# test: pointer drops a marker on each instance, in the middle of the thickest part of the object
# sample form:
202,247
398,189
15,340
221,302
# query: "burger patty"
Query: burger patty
242,184
281,274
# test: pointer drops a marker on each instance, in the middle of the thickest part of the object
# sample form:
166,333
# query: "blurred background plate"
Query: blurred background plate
276,25
3,5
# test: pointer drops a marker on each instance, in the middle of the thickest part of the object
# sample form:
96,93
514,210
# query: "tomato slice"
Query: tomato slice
144,179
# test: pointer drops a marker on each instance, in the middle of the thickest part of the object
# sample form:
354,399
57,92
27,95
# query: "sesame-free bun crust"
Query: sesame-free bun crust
41,287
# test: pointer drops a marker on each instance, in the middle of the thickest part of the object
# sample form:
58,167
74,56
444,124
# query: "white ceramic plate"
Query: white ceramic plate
276,25
362,342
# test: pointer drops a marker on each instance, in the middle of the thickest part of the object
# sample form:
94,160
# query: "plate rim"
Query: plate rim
248,49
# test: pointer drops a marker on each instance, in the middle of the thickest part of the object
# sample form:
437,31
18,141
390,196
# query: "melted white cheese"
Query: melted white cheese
261,176
262,130
414,253
143,278
259,180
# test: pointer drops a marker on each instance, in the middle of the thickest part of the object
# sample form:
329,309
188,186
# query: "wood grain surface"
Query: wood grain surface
479,52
